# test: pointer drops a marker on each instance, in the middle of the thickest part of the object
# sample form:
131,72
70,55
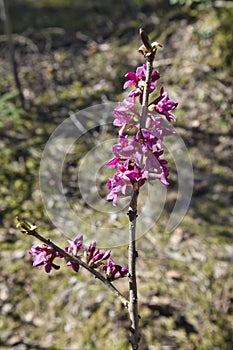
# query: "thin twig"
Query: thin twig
21,40
7,25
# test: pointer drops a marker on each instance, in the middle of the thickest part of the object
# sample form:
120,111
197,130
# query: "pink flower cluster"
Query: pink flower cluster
138,159
45,256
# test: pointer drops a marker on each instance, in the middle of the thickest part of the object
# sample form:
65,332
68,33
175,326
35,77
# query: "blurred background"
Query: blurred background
60,56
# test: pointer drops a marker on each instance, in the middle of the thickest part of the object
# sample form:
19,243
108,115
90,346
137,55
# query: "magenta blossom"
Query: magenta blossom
113,162
128,150
158,126
125,113
138,158
135,173
114,271
75,266
136,161
164,105
156,168
44,256
73,249
138,81
75,245
94,258
148,139
121,184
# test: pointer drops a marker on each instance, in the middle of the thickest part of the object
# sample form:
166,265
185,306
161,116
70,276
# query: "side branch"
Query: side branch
32,232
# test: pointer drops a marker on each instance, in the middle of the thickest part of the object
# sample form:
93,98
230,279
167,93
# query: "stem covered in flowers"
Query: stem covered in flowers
132,212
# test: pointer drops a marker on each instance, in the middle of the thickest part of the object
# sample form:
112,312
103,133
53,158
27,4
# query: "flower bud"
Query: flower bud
145,39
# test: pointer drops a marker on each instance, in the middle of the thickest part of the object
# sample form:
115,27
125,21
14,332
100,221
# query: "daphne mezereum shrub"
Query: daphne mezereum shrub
137,158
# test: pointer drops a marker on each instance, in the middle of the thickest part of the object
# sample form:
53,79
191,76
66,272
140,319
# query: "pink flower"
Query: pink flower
114,271
156,168
124,113
138,81
149,140
137,159
113,162
44,256
136,174
95,258
164,105
121,184
73,249
128,150
159,126
75,266
123,149
75,245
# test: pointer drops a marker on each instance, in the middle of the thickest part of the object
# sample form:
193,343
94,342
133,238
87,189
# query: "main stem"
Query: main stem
133,299
132,213
145,98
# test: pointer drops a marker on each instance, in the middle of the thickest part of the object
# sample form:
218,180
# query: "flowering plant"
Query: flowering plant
137,158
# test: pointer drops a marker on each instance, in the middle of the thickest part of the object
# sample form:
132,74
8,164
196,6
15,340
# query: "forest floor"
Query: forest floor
72,55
